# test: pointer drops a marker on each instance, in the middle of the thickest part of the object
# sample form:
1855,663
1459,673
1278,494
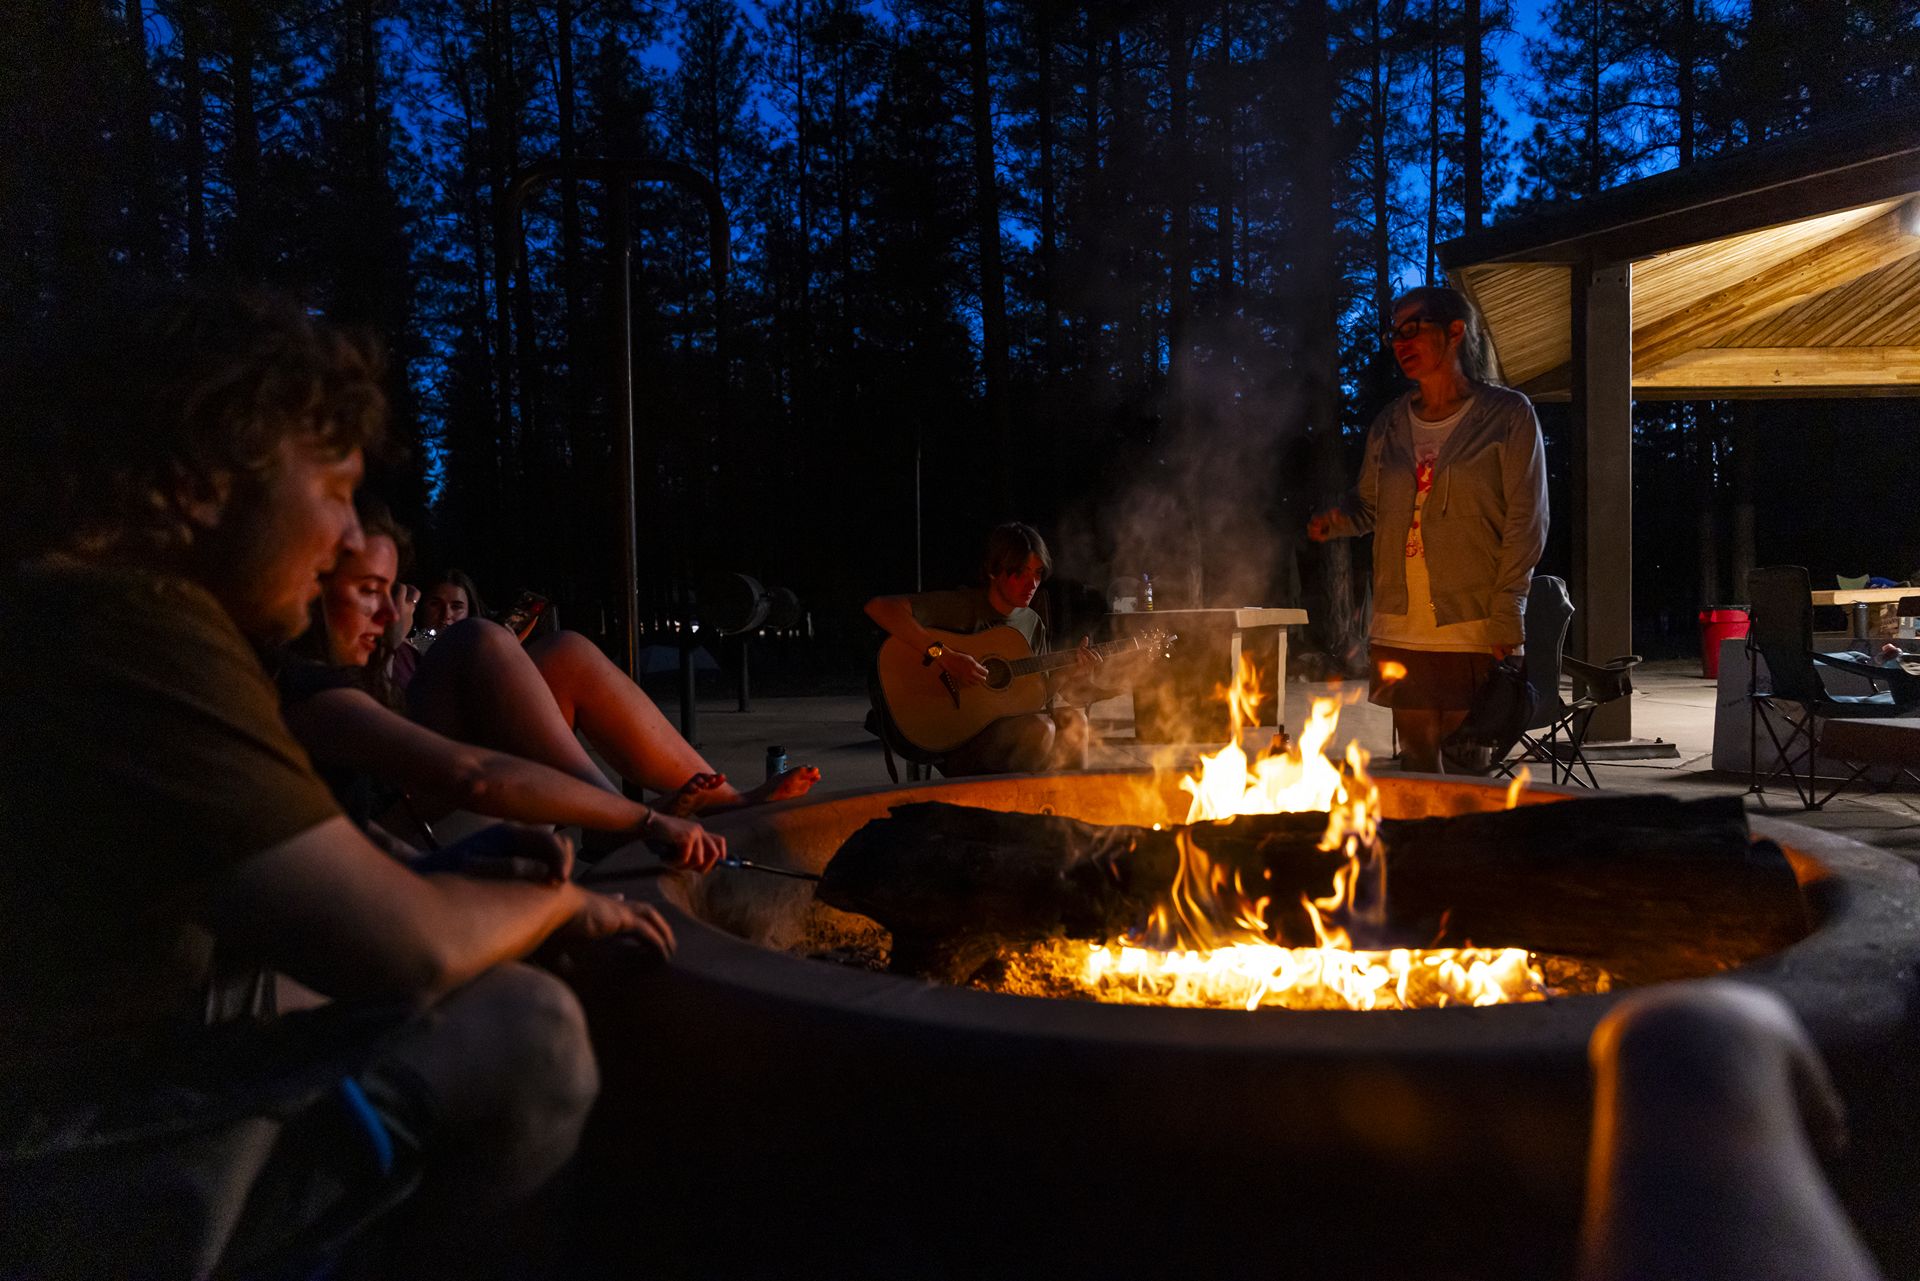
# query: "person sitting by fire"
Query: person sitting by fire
383,766
1453,488
1016,563
484,687
184,474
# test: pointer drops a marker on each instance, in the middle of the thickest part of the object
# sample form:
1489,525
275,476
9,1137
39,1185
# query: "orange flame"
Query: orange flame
1208,943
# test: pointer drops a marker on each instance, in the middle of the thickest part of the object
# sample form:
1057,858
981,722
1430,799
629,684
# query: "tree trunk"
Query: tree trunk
1223,161
1472,115
1433,143
244,248
1590,183
1049,216
194,131
1318,358
993,301
1684,62
502,118
843,197
143,205
1179,231
1094,311
572,286
1382,238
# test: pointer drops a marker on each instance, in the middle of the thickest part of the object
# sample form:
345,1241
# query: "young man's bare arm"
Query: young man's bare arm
894,614
332,911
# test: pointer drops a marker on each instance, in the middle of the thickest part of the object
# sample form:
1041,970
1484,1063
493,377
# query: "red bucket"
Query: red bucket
1716,625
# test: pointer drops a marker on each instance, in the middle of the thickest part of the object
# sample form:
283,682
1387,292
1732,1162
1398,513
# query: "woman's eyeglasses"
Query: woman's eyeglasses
1408,328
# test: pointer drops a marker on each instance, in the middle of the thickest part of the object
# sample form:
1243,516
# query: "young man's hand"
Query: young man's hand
607,916
964,668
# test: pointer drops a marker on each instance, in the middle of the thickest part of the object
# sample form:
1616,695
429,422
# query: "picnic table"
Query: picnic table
1860,598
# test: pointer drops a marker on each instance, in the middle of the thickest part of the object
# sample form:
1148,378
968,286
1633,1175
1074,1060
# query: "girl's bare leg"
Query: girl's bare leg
1421,731
478,685
616,716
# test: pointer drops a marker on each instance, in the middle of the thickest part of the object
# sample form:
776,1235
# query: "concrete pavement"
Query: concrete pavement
1671,702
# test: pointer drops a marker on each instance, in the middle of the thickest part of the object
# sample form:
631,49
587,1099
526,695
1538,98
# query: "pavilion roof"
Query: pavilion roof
1789,268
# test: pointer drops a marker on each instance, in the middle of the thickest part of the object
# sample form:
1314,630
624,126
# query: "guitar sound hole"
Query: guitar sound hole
999,675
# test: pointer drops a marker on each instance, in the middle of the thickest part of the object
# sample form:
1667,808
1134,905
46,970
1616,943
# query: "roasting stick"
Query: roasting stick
765,867
742,864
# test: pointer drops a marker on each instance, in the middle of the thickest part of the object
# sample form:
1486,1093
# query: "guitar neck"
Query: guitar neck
1065,658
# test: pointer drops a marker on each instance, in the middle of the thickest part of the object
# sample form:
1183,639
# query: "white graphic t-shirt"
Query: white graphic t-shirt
1417,628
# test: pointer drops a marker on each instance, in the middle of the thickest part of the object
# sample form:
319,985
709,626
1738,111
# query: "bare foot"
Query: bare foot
696,794
711,793
783,786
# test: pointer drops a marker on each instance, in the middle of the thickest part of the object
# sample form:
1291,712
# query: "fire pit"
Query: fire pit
868,1124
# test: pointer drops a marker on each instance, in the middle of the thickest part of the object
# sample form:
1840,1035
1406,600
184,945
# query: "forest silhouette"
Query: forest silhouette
1115,268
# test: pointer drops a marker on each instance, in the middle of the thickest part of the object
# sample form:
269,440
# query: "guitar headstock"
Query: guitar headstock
1159,641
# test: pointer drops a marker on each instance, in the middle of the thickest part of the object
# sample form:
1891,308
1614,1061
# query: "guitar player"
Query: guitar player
1016,563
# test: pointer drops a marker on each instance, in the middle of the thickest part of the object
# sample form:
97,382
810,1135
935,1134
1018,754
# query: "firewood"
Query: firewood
1648,887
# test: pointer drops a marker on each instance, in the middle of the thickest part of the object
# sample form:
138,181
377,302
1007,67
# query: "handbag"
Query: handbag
1502,709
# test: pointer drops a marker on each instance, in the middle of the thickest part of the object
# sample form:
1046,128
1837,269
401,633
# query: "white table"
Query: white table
1177,703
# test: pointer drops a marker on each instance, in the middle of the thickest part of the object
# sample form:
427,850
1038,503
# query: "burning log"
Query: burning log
1648,887
954,884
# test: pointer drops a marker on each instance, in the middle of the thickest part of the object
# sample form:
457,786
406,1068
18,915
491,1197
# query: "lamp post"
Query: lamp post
617,177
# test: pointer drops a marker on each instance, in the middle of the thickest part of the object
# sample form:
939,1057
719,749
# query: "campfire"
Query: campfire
1209,944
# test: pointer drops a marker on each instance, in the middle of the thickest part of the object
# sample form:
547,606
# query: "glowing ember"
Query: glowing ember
1208,944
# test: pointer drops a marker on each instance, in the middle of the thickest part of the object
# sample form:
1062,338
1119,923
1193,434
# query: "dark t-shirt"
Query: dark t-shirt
143,755
361,797
967,610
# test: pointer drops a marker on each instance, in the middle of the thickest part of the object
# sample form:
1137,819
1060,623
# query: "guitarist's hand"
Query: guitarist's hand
964,668
1086,659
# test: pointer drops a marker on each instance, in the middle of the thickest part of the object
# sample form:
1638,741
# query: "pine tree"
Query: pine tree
1584,139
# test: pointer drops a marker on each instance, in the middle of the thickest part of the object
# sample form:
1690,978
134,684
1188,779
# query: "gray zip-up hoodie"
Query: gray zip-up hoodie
1485,522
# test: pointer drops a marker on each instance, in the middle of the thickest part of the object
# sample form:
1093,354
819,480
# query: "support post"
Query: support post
745,646
618,176
689,702
621,231
1603,475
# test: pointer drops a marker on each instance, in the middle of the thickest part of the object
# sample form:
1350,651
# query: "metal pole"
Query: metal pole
689,705
744,646
620,175
622,236
919,584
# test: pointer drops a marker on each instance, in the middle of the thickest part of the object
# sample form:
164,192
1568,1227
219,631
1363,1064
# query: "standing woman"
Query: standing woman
1454,490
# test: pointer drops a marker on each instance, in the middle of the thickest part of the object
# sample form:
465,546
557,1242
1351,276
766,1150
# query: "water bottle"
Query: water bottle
1146,592
776,761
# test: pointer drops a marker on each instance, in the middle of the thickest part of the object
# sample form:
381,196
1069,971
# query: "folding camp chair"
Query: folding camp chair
917,765
1557,735
1782,635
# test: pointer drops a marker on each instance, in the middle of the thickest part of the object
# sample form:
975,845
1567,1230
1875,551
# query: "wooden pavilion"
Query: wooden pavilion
1786,269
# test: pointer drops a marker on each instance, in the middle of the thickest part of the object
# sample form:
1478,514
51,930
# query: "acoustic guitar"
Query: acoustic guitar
935,713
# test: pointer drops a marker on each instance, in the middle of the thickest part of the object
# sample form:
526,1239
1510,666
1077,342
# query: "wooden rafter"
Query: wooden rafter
1836,262
1810,367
